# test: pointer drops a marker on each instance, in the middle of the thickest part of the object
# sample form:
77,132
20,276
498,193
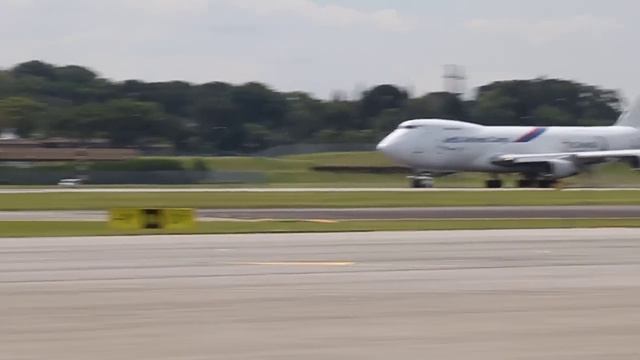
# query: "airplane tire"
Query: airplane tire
546,184
421,183
494,184
525,183
416,184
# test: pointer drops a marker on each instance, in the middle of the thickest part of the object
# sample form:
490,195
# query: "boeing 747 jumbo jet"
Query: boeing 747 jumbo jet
542,155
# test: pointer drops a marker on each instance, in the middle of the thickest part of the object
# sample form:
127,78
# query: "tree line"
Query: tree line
43,100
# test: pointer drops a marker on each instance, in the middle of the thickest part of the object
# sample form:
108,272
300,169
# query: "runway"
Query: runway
54,190
494,212
530,295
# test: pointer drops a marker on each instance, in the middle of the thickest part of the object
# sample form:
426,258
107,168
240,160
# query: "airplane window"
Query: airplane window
409,127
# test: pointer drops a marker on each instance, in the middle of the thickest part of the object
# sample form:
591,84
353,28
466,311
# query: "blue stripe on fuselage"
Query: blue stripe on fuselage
531,135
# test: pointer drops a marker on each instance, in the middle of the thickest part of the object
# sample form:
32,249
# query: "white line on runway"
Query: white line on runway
301,263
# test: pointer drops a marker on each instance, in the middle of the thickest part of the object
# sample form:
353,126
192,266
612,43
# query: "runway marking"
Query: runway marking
432,219
239,219
322,221
302,263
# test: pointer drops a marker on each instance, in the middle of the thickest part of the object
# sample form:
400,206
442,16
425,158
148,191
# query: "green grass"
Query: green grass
89,201
291,162
327,179
58,229
344,159
247,163
257,164
296,171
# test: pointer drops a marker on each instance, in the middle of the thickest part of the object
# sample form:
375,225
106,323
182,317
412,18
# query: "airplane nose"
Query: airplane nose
397,147
384,145
390,146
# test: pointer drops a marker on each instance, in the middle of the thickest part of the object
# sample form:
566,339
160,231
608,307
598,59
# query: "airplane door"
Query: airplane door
428,152
440,152
603,144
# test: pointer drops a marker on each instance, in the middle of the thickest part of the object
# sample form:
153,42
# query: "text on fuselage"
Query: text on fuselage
477,140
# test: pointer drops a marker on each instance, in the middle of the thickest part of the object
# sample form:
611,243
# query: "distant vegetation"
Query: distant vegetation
300,170
43,100
140,165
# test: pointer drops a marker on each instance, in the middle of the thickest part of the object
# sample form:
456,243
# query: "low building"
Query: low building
62,150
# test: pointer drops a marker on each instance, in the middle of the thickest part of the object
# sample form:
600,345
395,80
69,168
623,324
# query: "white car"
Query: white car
70,182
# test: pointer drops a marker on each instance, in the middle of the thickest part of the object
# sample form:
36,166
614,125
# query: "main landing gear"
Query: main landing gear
537,183
421,181
529,182
494,184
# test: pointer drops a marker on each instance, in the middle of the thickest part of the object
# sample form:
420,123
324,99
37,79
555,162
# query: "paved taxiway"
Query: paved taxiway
494,212
543,294
53,190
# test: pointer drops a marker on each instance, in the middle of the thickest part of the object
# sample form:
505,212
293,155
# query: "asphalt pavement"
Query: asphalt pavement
539,294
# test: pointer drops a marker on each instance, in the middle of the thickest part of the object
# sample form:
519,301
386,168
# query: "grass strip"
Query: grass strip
69,228
103,201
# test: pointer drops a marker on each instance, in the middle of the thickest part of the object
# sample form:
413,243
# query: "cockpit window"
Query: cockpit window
408,126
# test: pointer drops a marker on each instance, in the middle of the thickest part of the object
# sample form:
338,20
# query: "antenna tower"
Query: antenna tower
455,79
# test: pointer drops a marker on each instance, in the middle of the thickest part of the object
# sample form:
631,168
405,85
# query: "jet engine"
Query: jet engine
634,162
558,168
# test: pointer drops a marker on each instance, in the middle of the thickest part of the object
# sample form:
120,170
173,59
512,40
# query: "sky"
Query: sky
324,46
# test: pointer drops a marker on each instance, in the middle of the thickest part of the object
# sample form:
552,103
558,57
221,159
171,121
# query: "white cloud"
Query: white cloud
169,7
16,3
324,45
327,15
542,31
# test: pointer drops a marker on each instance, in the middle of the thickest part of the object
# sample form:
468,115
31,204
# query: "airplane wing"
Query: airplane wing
585,158
561,165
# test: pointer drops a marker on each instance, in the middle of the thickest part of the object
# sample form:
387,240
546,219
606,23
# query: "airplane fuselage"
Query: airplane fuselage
455,146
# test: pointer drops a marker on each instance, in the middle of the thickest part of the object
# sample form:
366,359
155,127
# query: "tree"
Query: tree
519,102
340,115
389,120
7,87
303,118
43,99
128,122
441,105
74,74
35,68
256,103
21,114
81,122
174,96
494,108
550,115
257,137
381,98
218,124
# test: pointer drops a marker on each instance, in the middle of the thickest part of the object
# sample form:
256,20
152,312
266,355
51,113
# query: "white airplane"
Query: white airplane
436,147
